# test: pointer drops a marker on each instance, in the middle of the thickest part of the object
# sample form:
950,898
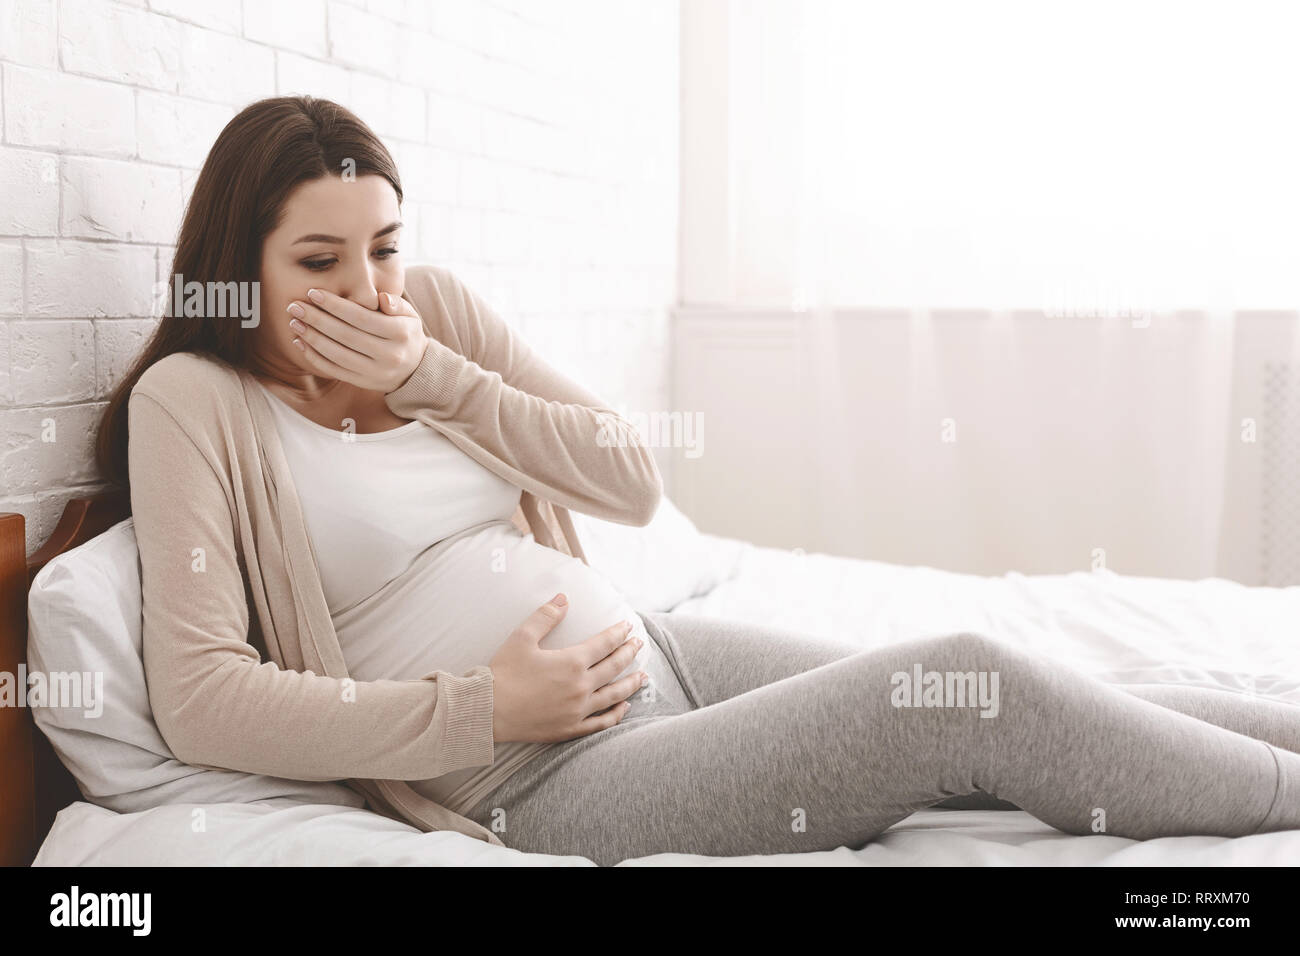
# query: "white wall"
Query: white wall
537,142
980,442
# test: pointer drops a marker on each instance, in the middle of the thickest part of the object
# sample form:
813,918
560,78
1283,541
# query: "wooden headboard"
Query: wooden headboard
34,784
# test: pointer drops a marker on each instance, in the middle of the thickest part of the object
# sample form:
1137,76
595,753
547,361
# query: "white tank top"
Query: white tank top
423,569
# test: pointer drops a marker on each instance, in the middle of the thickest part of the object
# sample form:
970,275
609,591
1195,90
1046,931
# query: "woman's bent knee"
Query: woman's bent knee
972,646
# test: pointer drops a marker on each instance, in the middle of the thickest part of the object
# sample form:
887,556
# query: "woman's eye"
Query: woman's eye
320,265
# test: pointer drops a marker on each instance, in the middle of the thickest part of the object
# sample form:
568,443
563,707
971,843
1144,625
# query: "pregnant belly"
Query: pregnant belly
461,599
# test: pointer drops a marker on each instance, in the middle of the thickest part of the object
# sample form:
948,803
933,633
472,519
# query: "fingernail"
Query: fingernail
315,296
645,678
392,300
559,600
639,643
296,310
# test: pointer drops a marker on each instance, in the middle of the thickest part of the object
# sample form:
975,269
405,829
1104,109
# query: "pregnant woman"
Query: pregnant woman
367,481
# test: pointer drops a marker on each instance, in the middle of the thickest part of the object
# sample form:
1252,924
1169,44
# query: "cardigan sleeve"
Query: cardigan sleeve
216,704
499,398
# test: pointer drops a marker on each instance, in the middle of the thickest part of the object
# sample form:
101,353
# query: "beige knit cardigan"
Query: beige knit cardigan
229,576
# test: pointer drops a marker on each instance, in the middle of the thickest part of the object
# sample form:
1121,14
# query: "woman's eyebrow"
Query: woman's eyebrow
321,237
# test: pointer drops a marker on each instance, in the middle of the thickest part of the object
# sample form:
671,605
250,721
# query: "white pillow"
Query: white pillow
659,565
84,615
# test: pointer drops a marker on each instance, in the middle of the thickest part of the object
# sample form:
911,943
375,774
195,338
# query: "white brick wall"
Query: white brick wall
537,141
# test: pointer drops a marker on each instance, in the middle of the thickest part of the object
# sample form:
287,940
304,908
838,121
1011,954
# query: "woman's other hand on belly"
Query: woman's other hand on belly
547,696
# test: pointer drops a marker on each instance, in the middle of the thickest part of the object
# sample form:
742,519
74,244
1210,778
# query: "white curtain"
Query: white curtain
1134,165
1075,158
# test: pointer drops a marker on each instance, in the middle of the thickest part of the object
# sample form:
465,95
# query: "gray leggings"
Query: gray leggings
764,740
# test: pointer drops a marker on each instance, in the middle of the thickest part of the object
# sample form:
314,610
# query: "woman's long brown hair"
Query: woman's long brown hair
263,153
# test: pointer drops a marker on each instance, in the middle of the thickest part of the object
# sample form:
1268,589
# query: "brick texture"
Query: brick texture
537,141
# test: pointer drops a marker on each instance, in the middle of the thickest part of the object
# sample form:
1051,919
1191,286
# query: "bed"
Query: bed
1123,629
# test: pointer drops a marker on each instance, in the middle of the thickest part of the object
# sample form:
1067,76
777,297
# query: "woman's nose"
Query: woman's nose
358,284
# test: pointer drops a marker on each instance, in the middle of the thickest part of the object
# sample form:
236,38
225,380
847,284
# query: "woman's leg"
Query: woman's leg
828,758
717,658
1274,721
720,658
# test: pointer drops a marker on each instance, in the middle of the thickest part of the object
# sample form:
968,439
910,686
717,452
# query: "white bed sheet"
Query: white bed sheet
255,834
1212,633
1119,628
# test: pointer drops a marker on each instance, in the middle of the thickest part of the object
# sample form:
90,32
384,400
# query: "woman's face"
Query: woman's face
337,235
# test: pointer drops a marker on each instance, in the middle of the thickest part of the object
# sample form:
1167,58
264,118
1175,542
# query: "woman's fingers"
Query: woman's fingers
621,689
340,355
324,366
346,334
367,320
606,670
382,347
396,305
603,720
598,647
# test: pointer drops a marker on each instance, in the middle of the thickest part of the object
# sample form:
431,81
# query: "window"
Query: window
1067,157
